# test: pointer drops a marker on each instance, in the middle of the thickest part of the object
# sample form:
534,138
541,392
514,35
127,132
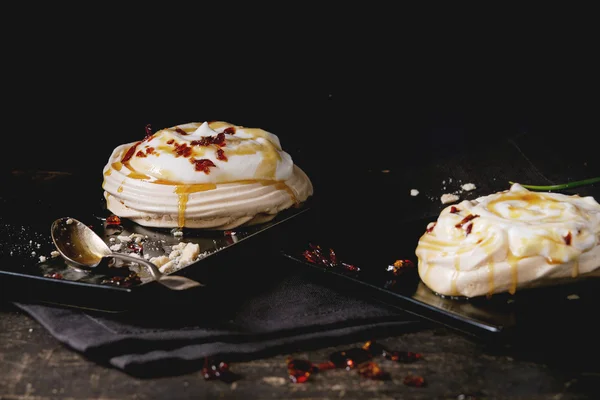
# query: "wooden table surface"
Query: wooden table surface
34,365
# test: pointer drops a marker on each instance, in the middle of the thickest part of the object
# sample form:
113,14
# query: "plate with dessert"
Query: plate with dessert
200,193
486,265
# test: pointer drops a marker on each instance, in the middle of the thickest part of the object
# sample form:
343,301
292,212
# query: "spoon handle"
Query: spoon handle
174,282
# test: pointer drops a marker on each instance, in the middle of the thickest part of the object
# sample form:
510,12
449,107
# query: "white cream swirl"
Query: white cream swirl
203,175
508,240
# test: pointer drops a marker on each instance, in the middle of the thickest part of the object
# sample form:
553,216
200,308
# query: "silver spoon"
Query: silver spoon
81,246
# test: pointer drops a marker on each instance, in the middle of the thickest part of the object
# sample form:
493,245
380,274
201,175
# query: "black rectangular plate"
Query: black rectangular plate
37,198
499,316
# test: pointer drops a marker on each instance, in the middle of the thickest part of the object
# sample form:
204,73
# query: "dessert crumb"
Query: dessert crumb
573,297
43,259
449,198
414,192
468,186
54,254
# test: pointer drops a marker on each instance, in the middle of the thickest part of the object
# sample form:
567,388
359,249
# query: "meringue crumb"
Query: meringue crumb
449,198
43,258
69,221
54,254
414,192
116,247
573,297
468,186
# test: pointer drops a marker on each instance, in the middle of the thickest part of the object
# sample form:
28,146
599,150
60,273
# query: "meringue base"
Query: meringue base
220,206
155,220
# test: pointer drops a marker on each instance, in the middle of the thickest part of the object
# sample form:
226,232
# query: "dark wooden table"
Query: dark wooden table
34,365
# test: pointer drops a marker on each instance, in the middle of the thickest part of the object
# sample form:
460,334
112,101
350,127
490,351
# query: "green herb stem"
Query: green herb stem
561,186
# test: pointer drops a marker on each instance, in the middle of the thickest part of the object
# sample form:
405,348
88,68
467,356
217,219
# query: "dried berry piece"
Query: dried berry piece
221,155
414,380
180,131
372,370
113,220
300,370
135,247
376,349
124,281
216,369
567,239
316,255
349,359
454,210
53,275
130,153
203,165
466,219
148,129
401,266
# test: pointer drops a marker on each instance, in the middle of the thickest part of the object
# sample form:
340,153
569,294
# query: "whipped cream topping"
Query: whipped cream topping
203,175
179,154
508,240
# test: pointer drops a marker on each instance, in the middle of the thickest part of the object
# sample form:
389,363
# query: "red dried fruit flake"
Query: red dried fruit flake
299,370
113,220
454,210
469,228
372,370
221,155
170,141
316,255
430,229
148,129
466,219
216,369
203,165
130,153
414,380
567,238
376,349
180,131
123,281
349,359
140,154
230,130
150,150
54,275
401,266
182,150
218,140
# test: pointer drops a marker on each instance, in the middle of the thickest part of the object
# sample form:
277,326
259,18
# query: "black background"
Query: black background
342,87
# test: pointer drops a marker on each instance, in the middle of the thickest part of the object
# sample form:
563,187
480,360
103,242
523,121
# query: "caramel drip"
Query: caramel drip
512,262
575,271
117,165
183,194
181,206
120,189
108,172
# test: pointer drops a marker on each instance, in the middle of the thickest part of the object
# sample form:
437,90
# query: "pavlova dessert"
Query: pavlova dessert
510,240
212,175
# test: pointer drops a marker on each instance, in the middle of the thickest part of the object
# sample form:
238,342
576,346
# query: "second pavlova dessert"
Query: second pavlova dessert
510,240
212,175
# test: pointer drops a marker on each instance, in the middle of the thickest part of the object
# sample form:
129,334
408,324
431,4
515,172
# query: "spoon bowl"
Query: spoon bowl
81,247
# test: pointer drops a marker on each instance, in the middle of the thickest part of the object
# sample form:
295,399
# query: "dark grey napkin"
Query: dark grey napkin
292,313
